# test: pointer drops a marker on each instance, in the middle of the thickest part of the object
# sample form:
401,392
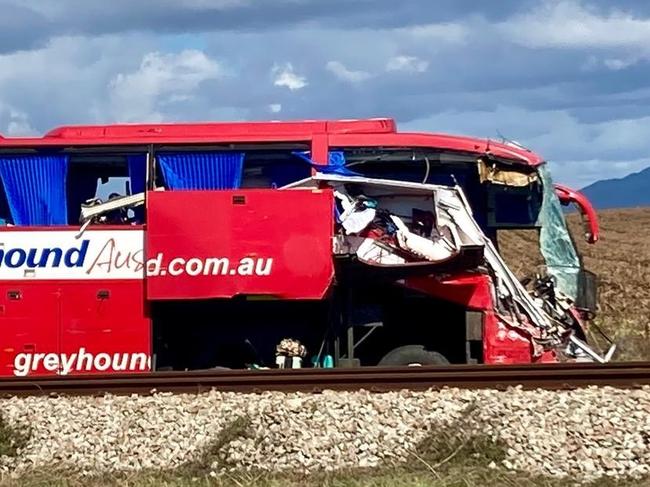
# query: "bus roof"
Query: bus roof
378,132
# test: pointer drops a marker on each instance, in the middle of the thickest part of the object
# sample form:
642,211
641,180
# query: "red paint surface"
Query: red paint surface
294,228
569,196
471,290
438,141
52,317
188,133
341,133
501,343
101,325
30,324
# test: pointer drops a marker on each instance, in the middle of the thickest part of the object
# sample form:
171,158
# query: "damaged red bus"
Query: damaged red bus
129,248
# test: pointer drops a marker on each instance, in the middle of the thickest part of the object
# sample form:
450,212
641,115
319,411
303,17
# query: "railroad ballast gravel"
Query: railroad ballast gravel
586,433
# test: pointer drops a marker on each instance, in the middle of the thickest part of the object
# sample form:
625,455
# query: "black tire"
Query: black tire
413,355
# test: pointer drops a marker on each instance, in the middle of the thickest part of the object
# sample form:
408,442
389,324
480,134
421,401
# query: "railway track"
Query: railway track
377,379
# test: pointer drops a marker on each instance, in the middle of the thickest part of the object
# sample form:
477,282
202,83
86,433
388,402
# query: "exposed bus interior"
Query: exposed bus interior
243,333
366,313
494,205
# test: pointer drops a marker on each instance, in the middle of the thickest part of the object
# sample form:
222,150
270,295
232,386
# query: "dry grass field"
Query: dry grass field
621,259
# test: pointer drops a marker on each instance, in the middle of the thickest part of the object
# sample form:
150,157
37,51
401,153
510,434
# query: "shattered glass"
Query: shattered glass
556,245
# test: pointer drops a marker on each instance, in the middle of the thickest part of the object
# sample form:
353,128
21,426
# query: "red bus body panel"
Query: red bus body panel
587,211
30,323
93,317
285,234
501,344
379,132
75,323
90,318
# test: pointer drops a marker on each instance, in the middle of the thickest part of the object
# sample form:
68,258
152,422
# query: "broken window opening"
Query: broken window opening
425,166
396,229
96,179
520,249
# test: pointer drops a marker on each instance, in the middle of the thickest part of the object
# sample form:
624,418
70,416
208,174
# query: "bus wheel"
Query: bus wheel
413,356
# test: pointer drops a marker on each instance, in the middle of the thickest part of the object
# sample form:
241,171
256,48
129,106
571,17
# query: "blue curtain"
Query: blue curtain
137,172
335,163
35,186
202,170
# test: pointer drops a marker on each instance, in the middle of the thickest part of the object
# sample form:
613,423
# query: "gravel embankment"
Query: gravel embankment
585,433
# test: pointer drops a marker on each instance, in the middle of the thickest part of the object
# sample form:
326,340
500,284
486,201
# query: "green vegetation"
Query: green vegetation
467,468
12,438
215,452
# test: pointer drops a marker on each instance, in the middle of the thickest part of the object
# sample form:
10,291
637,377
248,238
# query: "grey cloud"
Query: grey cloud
86,62
67,81
560,138
46,19
22,28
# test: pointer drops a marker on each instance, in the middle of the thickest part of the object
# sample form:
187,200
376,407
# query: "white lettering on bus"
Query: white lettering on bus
81,360
209,266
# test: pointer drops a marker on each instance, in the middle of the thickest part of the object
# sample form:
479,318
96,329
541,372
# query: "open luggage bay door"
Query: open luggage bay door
220,244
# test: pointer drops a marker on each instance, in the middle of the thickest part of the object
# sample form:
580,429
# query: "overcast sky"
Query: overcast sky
568,78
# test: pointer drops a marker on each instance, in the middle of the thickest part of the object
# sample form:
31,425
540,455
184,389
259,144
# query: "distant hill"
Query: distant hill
630,191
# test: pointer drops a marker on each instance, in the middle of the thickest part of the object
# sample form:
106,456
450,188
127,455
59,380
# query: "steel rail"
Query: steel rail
376,379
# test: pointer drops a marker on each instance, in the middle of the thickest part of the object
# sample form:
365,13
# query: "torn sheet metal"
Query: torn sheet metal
516,306
548,328
96,211
395,223
96,208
